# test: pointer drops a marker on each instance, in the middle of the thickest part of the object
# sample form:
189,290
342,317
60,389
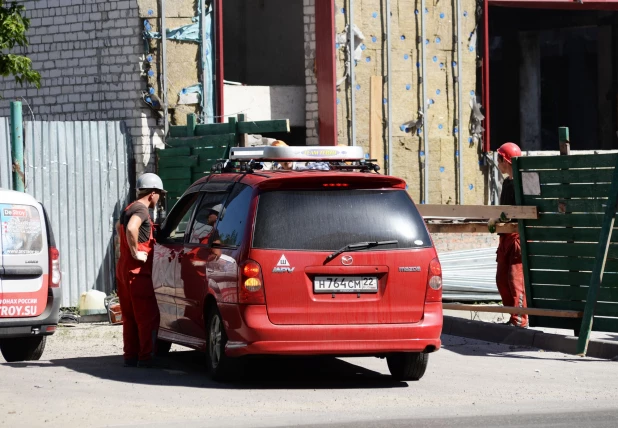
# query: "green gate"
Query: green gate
570,253
192,150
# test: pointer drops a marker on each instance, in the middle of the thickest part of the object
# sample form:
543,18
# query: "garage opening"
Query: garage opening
264,62
552,68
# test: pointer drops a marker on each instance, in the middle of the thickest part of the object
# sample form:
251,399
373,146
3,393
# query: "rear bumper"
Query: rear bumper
250,332
35,326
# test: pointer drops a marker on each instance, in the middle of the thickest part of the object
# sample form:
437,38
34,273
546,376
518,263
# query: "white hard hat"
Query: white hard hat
219,209
150,181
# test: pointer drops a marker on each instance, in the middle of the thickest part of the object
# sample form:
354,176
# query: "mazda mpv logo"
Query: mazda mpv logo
347,260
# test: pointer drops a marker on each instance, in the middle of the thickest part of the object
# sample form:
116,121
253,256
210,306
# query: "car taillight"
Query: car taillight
54,267
434,281
251,287
335,185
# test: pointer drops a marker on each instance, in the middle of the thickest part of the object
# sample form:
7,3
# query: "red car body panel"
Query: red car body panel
294,320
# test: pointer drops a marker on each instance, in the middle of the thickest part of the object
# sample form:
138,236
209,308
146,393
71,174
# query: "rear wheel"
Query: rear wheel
407,365
162,348
221,366
22,348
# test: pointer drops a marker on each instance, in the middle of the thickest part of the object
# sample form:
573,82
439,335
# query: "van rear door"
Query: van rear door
384,283
25,260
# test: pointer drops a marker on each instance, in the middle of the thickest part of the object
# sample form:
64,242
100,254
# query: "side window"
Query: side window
206,218
178,221
233,221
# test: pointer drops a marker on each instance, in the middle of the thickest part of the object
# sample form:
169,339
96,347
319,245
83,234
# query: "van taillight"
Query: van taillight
54,267
251,286
434,281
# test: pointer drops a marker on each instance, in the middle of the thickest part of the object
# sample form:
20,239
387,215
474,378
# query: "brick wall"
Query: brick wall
90,55
311,99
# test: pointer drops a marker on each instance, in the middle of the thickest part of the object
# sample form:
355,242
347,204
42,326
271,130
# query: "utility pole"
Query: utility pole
17,147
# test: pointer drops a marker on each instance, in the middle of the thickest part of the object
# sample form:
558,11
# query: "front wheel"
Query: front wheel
23,348
162,347
221,366
407,365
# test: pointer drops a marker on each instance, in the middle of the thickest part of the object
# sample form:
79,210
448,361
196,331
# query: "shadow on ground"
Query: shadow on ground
186,368
481,348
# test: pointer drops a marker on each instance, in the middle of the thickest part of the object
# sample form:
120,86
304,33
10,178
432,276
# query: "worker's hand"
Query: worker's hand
491,225
504,218
142,256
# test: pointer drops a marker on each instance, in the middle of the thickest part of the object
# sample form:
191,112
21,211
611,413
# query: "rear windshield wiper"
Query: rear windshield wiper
359,246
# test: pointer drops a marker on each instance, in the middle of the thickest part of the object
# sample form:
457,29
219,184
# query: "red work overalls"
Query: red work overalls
140,312
510,276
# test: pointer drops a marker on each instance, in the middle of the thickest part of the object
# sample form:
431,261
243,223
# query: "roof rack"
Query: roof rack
248,159
304,154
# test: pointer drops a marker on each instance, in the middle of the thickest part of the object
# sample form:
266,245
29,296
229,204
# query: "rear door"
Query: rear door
25,261
296,230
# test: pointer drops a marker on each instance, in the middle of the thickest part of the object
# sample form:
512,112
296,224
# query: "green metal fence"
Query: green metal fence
192,150
570,253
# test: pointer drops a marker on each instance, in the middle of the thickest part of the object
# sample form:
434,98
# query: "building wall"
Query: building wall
441,120
311,96
89,54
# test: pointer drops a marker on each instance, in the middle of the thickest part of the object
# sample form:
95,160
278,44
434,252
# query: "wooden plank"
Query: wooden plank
574,190
179,151
568,263
178,131
174,173
592,307
511,310
567,220
568,162
204,167
563,235
180,161
199,142
470,228
376,125
478,211
567,205
560,292
263,127
191,124
212,153
570,278
576,176
573,249
602,309
212,129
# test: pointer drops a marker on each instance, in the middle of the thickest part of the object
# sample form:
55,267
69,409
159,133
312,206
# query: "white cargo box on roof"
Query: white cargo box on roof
328,154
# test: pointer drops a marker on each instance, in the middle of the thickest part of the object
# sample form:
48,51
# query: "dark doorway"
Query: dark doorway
552,68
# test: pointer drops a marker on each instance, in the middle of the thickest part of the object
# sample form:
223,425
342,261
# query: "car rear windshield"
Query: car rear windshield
21,229
328,220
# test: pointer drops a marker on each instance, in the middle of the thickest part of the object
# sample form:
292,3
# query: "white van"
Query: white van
30,293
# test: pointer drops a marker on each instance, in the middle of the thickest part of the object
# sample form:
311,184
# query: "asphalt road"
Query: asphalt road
80,382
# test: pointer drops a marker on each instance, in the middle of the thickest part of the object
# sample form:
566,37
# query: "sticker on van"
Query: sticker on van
21,230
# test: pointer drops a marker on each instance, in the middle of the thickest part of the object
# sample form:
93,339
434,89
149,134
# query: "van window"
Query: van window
22,232
329,220
175,226
206,217
232,223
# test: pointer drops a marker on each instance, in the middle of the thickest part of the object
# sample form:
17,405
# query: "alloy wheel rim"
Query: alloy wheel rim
215,341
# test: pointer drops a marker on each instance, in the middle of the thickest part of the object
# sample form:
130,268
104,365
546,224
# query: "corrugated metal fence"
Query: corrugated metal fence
80,172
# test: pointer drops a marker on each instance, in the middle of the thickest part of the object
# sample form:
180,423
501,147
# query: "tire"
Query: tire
407,365
162,348
222,368
23,348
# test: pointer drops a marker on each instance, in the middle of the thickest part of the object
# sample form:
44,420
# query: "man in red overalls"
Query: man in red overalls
510,275
140,312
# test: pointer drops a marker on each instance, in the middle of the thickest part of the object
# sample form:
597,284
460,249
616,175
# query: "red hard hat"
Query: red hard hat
509,150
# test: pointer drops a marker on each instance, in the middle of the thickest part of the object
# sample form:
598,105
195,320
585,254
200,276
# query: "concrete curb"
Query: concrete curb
508,335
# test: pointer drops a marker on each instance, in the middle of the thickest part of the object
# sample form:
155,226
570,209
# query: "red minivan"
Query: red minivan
299,262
